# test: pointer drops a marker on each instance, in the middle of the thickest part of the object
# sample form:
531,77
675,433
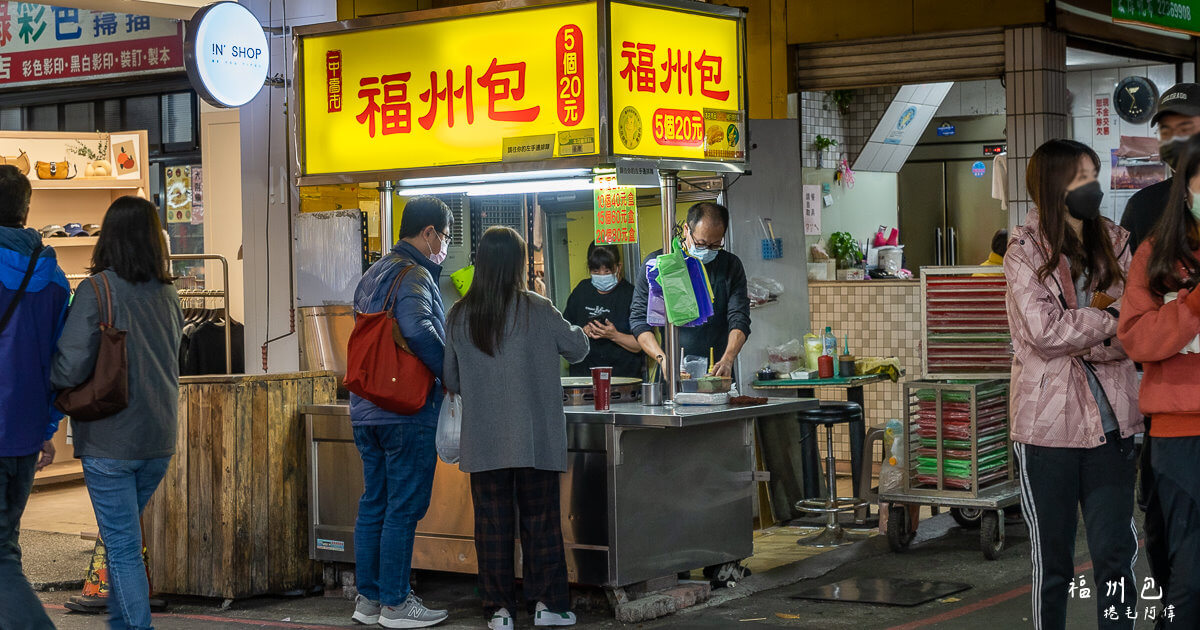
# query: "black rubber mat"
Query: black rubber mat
887,591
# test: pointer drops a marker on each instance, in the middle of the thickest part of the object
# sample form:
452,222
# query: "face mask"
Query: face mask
1084,202
1195,206
441,255
704,254
1170,150
604,282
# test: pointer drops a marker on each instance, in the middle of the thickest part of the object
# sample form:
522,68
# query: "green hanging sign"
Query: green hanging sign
1182,16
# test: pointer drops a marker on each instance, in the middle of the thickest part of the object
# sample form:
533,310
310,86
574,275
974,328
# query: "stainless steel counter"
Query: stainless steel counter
679,416
648,492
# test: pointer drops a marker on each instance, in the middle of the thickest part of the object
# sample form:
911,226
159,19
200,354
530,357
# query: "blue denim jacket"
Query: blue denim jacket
422,318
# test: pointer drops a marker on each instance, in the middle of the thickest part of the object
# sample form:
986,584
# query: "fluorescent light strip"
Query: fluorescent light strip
476,189
488,178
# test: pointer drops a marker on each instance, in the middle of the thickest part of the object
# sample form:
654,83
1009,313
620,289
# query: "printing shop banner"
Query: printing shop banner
41,45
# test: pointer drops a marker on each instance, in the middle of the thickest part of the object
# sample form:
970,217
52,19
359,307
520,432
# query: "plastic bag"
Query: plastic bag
892,472
656,309
695,366
449,429
763,290
702,289
785,359
679,296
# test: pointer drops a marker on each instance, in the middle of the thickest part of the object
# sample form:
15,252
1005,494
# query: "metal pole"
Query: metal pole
669,183
385,217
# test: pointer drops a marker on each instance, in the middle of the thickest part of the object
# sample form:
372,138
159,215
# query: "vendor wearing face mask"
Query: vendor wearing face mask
726,331
1178,117
600,306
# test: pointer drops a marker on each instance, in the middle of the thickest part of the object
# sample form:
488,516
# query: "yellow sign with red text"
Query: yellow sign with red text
510,86
676,84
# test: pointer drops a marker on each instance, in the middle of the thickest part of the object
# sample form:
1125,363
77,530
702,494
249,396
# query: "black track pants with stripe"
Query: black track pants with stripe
1056,483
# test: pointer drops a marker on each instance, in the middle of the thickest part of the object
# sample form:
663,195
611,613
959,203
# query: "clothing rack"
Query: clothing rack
223,294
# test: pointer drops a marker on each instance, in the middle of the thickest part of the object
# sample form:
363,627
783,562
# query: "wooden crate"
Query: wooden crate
230,518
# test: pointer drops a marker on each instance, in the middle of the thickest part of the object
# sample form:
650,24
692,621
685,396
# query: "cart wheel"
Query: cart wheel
991,535
898,532
967,517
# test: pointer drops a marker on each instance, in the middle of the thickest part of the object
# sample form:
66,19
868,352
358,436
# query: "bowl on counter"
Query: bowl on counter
707,385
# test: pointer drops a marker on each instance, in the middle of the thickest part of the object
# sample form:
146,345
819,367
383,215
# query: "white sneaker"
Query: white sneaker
501,620
543,617
366,611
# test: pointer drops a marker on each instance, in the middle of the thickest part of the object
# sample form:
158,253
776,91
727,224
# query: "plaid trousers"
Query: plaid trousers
535,496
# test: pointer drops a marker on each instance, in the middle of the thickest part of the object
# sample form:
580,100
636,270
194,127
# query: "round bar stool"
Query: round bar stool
833,535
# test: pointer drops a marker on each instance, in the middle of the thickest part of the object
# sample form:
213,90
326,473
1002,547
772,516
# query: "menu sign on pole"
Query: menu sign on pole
509,86
615,211
41,44
676,84
1182,16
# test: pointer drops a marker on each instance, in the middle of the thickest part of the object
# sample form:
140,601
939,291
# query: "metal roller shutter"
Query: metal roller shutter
957,56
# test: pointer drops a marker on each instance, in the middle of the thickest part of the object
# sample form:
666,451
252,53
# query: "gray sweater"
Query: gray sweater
150,313
512,402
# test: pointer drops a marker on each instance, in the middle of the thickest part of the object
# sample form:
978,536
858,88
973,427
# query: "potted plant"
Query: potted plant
842,100
844,250
98,164
822,144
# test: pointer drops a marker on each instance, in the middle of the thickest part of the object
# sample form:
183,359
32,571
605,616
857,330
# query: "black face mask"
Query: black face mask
1084,202
1170,150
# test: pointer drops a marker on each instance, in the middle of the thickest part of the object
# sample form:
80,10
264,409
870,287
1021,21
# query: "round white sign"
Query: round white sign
226,54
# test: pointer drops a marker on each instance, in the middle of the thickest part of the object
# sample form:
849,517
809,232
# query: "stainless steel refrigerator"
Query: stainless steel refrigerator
947,213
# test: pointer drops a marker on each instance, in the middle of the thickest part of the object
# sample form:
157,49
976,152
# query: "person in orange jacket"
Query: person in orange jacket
1160,328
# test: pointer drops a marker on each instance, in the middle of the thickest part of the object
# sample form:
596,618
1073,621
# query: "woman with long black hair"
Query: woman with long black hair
125,455
1160,325
1073,412
503,345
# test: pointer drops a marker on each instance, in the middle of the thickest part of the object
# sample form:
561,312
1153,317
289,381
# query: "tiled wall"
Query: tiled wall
882,319
820,116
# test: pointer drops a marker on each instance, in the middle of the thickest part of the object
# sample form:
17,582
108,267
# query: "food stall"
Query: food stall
520,98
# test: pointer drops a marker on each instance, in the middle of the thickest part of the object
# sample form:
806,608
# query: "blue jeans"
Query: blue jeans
398,463
19,606
119,489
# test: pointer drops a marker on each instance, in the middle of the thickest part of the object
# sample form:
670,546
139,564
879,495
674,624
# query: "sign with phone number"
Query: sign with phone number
1165,14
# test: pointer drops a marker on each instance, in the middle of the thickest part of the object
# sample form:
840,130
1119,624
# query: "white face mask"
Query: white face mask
441,255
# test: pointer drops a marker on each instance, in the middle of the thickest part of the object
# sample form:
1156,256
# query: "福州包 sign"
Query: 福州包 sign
41,44
226,54
615,212
676,83
1182,16
509,86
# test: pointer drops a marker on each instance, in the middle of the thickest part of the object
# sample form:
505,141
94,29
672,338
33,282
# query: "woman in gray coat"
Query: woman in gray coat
125,455
502,356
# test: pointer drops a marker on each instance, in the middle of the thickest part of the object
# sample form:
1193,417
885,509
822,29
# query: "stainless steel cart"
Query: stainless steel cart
958,455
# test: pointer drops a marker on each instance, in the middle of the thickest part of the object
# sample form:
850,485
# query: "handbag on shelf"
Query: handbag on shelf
380,367
21,162
106,391
53,170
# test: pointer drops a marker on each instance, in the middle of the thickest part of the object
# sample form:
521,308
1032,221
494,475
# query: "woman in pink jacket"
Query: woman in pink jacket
1073,406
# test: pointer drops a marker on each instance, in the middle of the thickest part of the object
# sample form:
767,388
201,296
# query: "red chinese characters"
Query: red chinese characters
639,65
640,71
678,127
569,63
498,81
395,113
449,97
333,80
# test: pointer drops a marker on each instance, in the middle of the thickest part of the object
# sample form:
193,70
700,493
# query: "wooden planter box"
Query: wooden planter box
230,518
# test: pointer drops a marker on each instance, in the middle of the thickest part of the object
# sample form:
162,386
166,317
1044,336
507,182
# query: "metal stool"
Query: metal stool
829,414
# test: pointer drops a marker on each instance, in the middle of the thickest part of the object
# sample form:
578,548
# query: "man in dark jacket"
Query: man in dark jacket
398,450
726,331
33,299
1177,118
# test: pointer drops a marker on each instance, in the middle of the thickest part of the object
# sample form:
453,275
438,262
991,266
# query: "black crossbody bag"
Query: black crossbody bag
12,306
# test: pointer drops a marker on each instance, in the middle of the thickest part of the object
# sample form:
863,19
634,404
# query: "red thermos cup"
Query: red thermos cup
602,387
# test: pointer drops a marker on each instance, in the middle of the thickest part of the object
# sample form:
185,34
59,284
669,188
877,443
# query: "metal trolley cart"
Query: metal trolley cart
957,449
